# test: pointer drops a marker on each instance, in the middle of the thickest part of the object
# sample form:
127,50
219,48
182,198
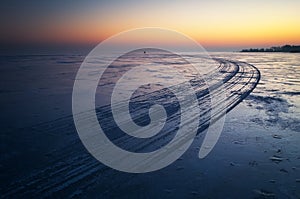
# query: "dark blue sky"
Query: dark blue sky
214,23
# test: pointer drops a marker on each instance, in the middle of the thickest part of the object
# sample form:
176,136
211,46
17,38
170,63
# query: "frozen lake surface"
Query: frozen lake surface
257,155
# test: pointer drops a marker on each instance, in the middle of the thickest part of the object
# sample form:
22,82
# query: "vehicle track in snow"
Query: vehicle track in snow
72,171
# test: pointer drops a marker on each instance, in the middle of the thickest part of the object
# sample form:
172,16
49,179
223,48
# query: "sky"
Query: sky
215,24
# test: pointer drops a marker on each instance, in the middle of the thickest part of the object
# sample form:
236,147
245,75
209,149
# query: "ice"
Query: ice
42,156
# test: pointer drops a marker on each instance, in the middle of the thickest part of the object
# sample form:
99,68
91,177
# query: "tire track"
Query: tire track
73,171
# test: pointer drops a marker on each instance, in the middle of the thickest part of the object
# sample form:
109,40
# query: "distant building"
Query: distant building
285,48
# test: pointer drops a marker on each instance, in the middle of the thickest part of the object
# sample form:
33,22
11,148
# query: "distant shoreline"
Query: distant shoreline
285,48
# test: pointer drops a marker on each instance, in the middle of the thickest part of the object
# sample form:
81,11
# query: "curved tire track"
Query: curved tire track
72,172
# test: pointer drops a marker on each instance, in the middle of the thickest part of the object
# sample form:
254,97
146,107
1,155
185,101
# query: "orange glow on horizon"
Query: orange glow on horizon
226,23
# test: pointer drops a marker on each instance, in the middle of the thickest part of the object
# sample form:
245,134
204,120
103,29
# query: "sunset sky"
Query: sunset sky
213,23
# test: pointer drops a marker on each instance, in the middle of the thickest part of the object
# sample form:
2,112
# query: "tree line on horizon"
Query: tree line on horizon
285,48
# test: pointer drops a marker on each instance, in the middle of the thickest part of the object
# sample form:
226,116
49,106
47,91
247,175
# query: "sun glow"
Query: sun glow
211,23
